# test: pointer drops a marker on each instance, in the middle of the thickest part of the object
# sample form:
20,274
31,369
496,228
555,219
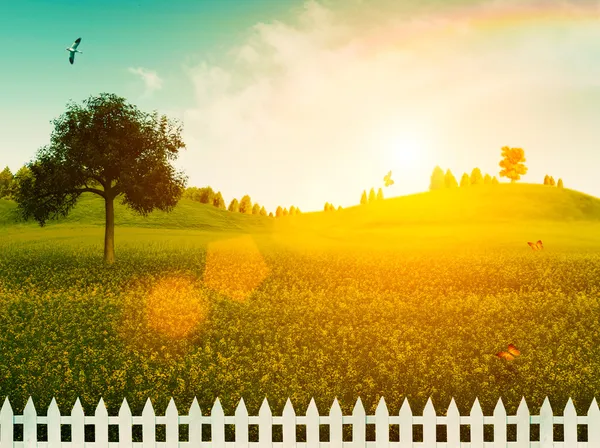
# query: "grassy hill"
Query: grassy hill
188,214
481,204
489,216
502,215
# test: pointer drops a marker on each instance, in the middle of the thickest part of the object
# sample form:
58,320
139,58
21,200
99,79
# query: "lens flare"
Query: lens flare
235,267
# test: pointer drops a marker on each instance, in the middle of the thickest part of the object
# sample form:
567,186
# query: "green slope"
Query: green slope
188,214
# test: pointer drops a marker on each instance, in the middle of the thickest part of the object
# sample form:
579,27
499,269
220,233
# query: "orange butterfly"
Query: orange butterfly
388,179
536,246
511,354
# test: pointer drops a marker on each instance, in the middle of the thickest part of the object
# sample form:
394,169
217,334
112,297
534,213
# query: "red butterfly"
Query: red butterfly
511,354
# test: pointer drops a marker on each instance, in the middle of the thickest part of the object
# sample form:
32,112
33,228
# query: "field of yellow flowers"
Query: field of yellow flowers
253,317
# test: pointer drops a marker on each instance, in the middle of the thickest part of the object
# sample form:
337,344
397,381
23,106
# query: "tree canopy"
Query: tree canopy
512,163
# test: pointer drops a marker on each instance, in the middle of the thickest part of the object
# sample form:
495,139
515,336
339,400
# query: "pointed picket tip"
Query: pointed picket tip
77,406
405,408
124,409
452,408
359,409
195,408
593,409
335,409
429,409
264,408
217,408
148,409
288,408
29,407
171,407
312,408
381,407
500,409
546,408
570,408
101,408
241,408
476,408
6,407
53,408
523,408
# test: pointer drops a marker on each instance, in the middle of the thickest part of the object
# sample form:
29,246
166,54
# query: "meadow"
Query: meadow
411,298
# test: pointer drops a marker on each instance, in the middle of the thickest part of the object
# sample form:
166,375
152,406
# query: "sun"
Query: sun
405,151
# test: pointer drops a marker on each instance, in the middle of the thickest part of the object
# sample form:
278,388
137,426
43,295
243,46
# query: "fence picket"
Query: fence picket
148,425
359,428
406,425
195,426
546,425
289,425
382,425
265,425
476,425
7,425
172,416
125,426
453,425
335,425
54,438
593,425
499,425
77,425
523,425
312,424
429,425
29,425
241,425
570,424
217,425
101,425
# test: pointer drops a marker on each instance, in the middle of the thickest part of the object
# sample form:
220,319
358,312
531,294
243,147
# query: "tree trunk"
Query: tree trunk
109,231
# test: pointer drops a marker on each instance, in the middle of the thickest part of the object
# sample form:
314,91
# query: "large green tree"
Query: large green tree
109,148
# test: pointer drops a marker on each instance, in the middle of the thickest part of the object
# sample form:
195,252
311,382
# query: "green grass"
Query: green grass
409,298
89,211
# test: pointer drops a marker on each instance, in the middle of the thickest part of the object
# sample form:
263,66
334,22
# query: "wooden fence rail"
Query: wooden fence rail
265,421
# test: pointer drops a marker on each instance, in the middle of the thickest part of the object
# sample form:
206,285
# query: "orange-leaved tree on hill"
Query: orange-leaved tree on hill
512,163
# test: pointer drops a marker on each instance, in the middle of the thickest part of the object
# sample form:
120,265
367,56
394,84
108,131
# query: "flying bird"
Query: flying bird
511,354
73,49
536,246
388,179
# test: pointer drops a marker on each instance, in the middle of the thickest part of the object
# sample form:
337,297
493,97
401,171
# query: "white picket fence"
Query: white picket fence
265,421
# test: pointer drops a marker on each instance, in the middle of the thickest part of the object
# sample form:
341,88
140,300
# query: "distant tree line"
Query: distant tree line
9,182
549,180
372,197
440,180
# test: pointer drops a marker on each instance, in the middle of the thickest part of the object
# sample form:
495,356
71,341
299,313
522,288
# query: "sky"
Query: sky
305,102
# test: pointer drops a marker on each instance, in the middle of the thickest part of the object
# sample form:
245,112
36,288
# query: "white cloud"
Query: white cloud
298,110
151,79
